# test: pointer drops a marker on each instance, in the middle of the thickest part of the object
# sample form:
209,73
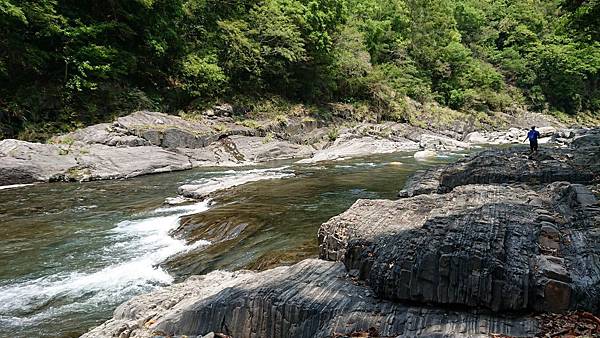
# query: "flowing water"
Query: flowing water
70,252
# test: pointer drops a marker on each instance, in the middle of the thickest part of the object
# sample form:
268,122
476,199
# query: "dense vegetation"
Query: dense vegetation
69,62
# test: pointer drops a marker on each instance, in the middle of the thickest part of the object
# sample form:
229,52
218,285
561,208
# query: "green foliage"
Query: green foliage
281,120
333,134
202,75
252,124
66,63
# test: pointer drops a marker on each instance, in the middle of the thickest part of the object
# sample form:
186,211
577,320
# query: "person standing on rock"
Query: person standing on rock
533,136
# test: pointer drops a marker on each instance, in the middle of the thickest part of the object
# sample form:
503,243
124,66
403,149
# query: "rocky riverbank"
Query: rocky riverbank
473,249
149,142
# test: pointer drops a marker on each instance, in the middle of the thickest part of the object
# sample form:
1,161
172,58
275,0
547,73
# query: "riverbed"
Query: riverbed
71,252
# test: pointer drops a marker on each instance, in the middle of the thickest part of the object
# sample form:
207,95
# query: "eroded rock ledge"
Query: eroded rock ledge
500,230
484,246
313,298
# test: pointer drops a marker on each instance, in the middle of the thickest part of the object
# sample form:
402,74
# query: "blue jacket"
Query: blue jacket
533,135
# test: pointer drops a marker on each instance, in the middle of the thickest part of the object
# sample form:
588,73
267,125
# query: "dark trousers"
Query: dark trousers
533,145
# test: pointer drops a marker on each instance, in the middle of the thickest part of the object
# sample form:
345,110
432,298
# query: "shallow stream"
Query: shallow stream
71,252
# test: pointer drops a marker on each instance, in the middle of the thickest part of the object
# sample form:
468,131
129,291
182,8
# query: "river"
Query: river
71,252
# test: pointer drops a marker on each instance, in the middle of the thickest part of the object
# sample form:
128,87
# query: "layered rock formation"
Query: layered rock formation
577,163
500,230
485,246
467,258
313,298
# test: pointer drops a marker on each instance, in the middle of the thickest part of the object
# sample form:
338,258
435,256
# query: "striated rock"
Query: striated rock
137,144
577,164
313,298
475,246
24,162
98,162
105,134
258,149
497,233
422,182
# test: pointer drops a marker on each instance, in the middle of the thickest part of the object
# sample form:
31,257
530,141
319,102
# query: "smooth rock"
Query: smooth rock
356,147
424,155
441,143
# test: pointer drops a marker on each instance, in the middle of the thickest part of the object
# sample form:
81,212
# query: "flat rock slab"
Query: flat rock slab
348,147
260,149
24,162
313,298
476,246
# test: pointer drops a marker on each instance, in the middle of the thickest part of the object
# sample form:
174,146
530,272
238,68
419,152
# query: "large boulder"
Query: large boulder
352,146
311,299
441,143
25,162
480,246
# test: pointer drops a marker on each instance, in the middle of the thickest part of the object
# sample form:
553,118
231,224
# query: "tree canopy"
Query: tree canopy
64,63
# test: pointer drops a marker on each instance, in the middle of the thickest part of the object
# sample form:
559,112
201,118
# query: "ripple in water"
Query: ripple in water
139,245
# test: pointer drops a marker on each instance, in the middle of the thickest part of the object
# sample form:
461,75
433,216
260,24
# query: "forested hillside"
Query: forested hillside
64,63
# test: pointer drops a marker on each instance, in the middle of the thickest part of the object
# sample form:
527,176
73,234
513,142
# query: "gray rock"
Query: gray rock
166,130
441,143
179,138
313,298
258,149
515,165
475,246
100,162
103,133
349,146
476,138
24,162
422,182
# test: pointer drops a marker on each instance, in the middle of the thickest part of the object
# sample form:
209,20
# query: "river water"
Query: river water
71,252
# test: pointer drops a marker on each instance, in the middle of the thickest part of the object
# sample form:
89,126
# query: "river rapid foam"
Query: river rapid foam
139,246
